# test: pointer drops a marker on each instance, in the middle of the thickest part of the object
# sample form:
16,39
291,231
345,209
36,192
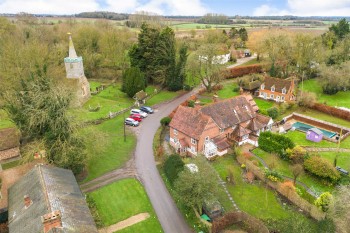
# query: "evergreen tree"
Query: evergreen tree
133,81
39,109
341,29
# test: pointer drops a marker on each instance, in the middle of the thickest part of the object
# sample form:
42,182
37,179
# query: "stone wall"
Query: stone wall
9,138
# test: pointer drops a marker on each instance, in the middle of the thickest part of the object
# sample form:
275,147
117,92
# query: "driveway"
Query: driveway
167,212
241,61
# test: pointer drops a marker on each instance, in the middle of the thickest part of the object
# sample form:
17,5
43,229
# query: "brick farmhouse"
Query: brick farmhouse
213,129
276,89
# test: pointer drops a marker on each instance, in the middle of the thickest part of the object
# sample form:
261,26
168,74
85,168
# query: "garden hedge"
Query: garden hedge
322,168
275,143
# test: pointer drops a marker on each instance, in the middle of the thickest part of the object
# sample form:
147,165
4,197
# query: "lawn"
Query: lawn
4,120
106,147
299,138
124,199
228,91
341,99
250,62
255,198
264,104
343,159
162,96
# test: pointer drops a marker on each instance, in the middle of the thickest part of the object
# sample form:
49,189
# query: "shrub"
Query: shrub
297,154
272,112
273,175
191,103
321,168
172,167
165,121
288,186
323,201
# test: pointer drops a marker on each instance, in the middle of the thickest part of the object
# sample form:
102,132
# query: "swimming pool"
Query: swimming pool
305,127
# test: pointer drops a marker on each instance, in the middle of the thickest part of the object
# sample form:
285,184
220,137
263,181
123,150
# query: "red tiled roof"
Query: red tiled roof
221,143
255,125
263,119
189,121
230,112
278,83
240,131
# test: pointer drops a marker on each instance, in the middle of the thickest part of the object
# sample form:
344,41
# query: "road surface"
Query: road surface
241,61
167,212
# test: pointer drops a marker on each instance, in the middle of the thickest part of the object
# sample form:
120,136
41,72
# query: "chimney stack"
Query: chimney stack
27,201
51,220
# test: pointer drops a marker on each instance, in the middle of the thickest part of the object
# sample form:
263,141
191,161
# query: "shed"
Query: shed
213,208
247,53
314,135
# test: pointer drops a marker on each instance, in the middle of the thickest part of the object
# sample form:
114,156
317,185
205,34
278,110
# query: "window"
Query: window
271,96
284,91
193,141
273,88
193,149
175,131
282,98
316,136
245,137
278,97
207,138
262,87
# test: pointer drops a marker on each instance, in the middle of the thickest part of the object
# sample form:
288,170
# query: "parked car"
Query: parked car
146,109
138,111
132,122
136,117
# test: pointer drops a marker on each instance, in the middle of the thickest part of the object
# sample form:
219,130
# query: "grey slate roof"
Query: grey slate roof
50,189
316,131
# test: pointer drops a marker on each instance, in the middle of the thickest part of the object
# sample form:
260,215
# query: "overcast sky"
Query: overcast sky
183,7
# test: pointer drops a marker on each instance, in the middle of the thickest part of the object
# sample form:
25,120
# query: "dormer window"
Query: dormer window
284,90
273,88
262,86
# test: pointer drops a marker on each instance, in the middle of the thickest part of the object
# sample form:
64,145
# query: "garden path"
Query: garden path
125,223
321,149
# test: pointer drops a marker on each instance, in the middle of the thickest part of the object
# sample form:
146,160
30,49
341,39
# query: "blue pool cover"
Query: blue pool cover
305,127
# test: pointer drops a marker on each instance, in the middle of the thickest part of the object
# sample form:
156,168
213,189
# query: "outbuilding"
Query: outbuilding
314,135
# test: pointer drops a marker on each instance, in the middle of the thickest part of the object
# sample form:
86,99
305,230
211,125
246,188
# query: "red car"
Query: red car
136,117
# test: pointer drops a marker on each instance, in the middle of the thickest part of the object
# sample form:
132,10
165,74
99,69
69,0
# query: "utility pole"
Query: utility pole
124,127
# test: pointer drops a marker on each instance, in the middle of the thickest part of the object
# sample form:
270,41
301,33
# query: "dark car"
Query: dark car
136,117
146,109
132,122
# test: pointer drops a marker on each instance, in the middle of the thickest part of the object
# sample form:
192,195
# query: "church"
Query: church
75,71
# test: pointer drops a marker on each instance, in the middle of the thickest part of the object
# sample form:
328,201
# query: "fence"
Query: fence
293,197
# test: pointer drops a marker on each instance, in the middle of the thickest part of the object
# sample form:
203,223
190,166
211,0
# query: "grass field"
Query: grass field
123,199
106,147
341,99
4,121
264,104
188,26
228,91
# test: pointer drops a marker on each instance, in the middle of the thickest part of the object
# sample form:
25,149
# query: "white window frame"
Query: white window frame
284,91
193,149
175,132
272,96
262,86
282,98
316,136
245,137
277,97
193,141
207,138
273,88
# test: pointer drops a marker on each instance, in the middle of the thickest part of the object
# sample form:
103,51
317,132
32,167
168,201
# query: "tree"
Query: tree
324,201
307,99
205,66
39,109
243,34
193,188
297,170
172,167
133,81
340,210
297,154
177,81
340,29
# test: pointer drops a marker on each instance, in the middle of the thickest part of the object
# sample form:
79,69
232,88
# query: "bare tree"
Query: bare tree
297,170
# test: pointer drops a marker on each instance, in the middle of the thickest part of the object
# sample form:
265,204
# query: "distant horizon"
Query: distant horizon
252,8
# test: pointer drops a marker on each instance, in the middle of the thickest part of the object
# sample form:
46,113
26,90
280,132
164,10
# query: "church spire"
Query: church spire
72,53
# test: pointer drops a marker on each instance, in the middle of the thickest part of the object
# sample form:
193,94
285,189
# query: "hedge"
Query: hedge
275,143
172,167
244,70
321,168
332,111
